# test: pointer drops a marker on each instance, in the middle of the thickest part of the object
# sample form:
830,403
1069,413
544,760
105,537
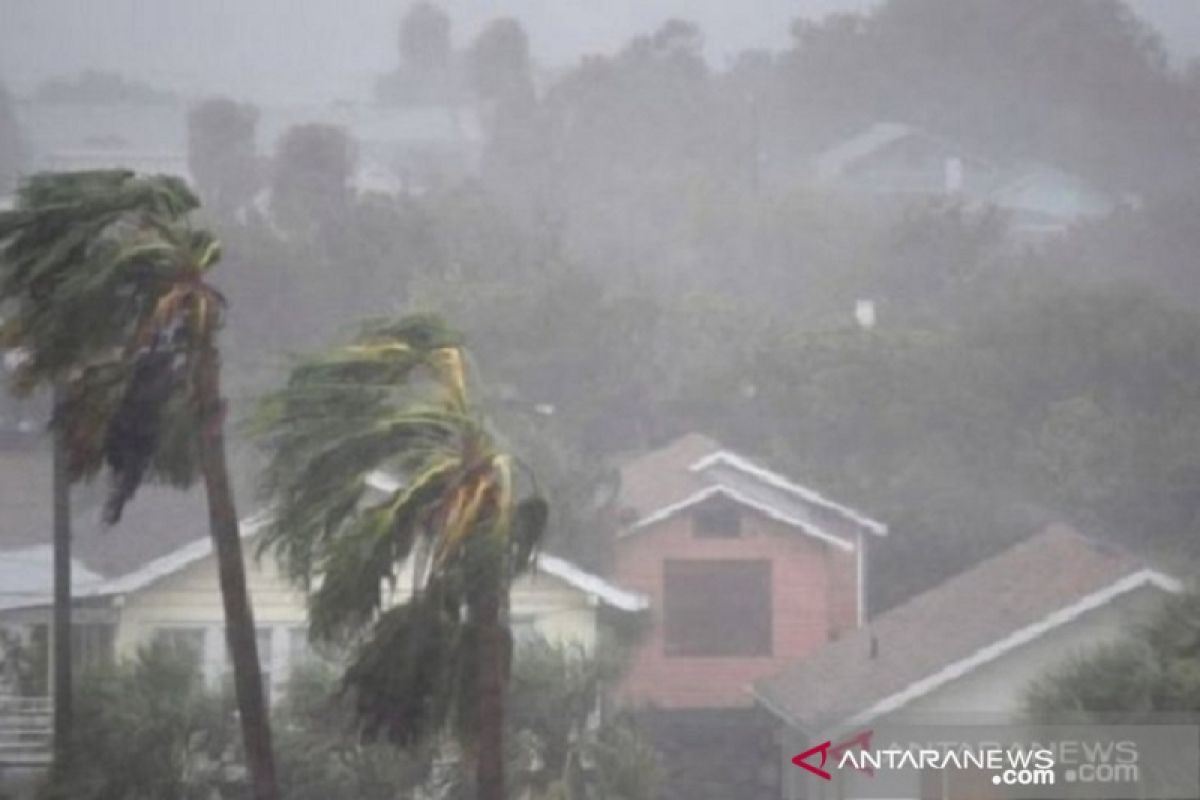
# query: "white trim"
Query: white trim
592,585
780,482
738,497
957,669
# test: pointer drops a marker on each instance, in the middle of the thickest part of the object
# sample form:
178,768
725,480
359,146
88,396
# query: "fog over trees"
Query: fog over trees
938,258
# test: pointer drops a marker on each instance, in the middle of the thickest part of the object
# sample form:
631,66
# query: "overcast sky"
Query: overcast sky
321,50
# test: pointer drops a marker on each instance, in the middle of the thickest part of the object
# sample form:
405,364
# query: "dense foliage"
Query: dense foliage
150,727
384,473
642,256
1152,669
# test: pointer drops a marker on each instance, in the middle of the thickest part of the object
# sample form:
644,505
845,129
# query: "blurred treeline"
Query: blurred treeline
641,256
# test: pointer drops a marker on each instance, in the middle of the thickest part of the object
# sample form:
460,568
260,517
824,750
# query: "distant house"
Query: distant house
967,649
746,571
895,160
1044,200
154,575
399,150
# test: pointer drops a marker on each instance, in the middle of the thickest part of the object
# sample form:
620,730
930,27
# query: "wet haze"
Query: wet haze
308,50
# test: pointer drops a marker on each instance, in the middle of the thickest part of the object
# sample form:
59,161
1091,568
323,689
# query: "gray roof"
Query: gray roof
689,470
973,610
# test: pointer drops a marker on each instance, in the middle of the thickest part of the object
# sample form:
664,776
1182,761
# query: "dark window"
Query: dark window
720,520
92,645
188,640
717,608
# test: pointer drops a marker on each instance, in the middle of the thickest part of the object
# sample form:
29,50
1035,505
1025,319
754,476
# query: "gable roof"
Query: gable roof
162,532
696,468
969,620
835,161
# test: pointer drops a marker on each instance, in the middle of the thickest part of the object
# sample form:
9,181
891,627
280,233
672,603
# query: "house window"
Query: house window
92,645
266,659
719,520
183,640
300,651
717,608
524,629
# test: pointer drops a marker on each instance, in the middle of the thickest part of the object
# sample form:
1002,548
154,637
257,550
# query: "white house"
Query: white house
154,575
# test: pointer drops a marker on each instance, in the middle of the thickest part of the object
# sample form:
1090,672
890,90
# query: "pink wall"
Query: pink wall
814,597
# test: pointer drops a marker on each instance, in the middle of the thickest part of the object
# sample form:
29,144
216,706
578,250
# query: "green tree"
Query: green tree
111,301
1153,668
564,747
396,400
950,67
149,729
321,755
499,62
222,154
310,179
425,38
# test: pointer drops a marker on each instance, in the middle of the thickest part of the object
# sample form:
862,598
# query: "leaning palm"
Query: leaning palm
396,507
108,285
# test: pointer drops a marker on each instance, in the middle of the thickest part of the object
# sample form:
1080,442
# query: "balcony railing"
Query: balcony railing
25,730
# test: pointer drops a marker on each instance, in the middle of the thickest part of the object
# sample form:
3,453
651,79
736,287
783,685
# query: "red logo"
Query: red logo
862,740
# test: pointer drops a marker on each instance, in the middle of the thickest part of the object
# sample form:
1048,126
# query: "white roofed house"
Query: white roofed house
154,575
894,161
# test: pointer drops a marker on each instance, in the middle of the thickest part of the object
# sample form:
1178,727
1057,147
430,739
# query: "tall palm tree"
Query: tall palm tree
51,230
108,285
390,415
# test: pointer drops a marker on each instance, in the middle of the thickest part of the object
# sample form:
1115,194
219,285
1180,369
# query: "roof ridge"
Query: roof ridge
784,483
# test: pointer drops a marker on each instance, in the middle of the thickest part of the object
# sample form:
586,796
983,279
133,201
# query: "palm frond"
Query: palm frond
105,281
395,400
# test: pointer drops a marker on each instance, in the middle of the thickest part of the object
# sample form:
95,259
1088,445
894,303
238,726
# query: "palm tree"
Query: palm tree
390,413
51,230
108,286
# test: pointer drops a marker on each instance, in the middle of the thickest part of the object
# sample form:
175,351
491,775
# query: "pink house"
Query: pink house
746,572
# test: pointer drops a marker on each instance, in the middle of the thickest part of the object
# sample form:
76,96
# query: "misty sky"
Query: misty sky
319,50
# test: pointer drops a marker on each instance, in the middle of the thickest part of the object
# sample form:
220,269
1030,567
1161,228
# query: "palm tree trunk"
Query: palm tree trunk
493,673
62,688
239,617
